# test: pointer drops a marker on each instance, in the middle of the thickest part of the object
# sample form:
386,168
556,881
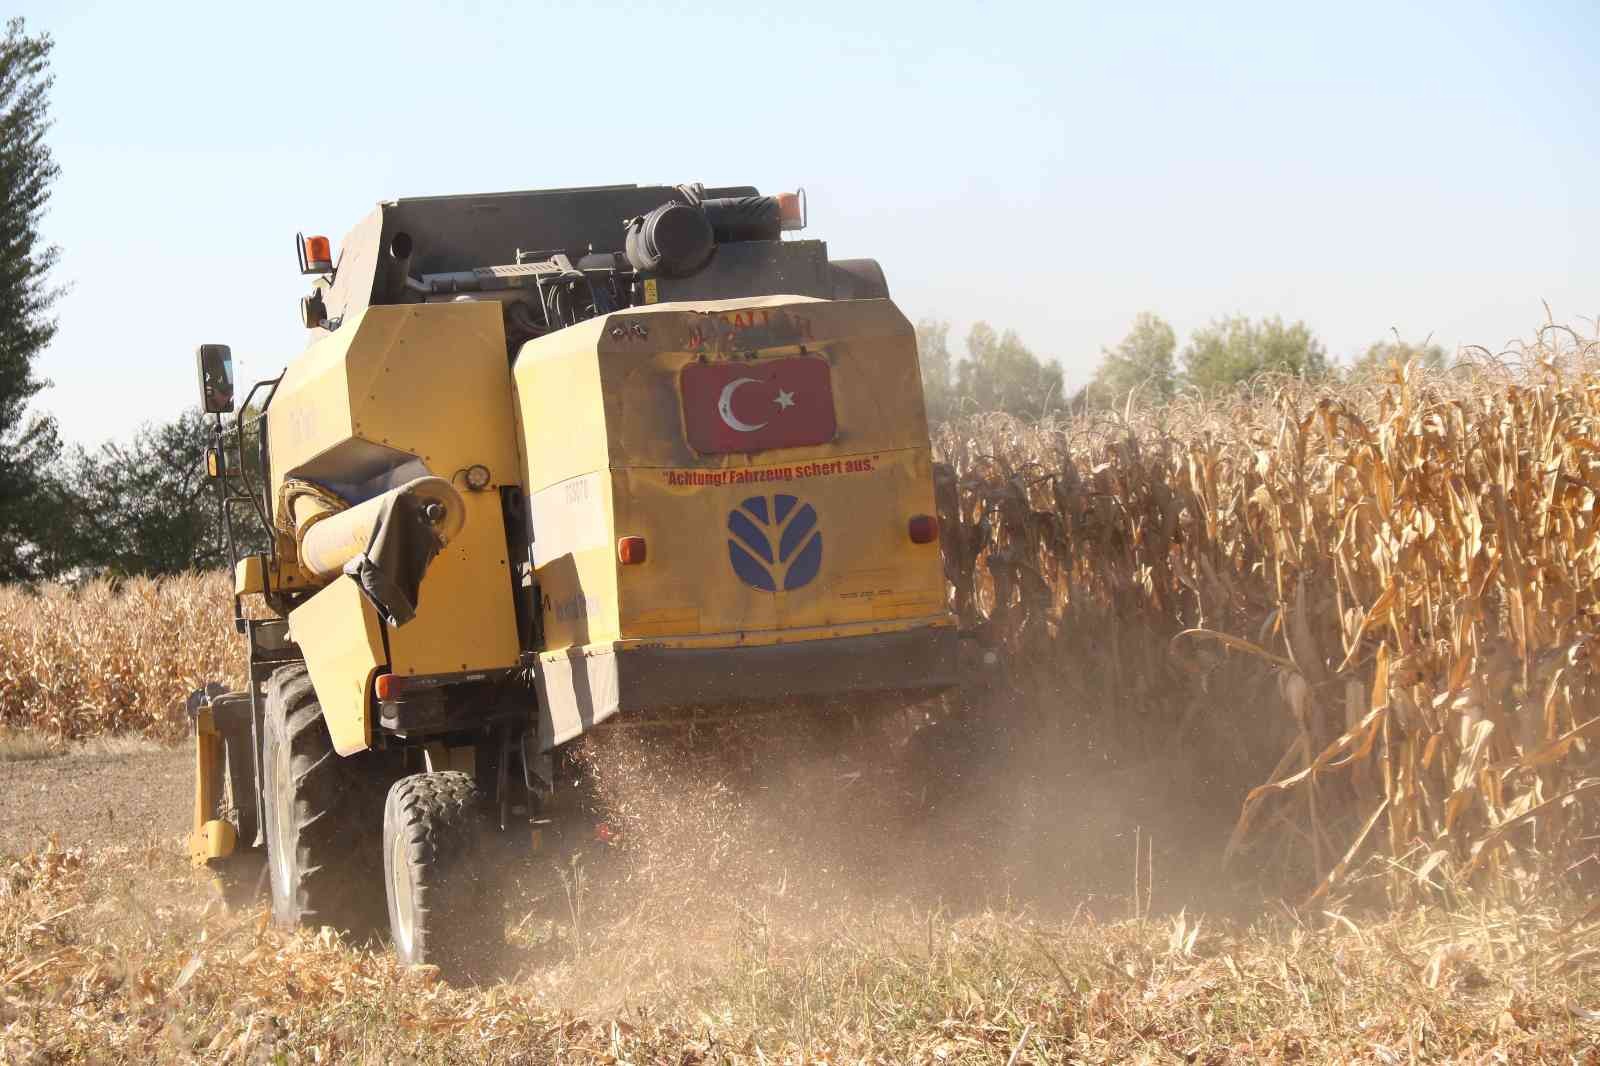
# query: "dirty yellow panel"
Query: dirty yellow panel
559,405
423,380
310,410
859,507
342,639
432,380
465,618
575,555
250,575
601,425
869,344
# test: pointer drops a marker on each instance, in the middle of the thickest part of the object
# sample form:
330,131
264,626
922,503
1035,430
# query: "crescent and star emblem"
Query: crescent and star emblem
784,400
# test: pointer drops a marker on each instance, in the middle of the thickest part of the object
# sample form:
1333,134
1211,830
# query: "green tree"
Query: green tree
1376,360
1143,361
938,369
146,507
28,444
1001,374
1235,349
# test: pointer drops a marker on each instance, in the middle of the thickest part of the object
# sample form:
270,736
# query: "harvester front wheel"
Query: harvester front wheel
322,814
436,868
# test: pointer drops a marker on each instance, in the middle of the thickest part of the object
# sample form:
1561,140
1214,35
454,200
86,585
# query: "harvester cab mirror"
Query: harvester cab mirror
216,378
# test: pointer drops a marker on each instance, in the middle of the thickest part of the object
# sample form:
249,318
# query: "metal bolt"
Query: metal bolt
433,511
617,332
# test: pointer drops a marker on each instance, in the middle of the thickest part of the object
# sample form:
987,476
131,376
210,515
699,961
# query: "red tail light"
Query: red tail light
924,529
631,551
386,687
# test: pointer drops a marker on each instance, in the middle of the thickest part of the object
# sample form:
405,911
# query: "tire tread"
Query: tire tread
336,807
439,815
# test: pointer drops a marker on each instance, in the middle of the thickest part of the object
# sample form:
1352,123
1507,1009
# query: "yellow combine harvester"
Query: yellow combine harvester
548,458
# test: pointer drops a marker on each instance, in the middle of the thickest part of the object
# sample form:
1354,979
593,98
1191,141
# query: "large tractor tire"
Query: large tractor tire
323,814
436,867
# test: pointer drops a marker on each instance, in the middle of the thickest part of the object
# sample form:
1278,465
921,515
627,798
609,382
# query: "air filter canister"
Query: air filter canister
674,240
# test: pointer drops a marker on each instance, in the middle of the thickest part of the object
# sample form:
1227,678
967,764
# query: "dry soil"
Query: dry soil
96,797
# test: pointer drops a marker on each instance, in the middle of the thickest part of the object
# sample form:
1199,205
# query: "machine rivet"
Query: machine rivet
433,511
617,332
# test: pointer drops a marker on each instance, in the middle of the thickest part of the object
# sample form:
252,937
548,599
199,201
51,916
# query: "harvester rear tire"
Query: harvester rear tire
436,867
322,814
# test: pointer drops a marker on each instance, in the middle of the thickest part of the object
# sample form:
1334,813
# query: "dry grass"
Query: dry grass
119,957
29,745
25,745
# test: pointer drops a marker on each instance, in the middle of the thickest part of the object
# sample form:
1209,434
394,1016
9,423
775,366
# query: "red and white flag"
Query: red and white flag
751,407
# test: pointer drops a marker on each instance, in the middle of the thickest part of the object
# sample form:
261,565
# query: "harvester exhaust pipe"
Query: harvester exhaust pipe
387,542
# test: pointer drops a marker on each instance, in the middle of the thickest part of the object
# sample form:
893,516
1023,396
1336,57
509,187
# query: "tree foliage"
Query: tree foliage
999,373
938,368
1143,362
1235,349
1380,356
28,444
146,507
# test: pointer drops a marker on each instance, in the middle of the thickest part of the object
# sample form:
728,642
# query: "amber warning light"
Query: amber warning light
792,209
316,254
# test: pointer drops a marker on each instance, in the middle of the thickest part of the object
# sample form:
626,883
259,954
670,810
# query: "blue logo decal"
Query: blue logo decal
774,541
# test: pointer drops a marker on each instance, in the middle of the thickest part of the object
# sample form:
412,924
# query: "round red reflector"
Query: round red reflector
924,529
631,551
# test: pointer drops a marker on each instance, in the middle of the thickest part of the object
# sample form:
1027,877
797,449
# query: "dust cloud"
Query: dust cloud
811,823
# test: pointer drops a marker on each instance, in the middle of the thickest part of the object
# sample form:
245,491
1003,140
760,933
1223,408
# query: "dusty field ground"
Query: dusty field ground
722,929
94,794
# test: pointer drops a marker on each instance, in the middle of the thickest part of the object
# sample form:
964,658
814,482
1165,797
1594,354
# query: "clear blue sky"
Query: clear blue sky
1053,168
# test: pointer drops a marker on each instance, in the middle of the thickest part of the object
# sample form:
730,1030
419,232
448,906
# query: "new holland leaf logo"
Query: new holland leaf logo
774,543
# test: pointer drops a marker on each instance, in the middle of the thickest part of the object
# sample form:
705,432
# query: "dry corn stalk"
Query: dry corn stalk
1390,587
114,657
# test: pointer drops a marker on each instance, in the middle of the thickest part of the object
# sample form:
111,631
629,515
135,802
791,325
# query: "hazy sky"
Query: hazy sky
1052,168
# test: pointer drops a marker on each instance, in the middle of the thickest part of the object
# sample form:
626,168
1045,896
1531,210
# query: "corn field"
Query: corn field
112,657
1389,588
1369,611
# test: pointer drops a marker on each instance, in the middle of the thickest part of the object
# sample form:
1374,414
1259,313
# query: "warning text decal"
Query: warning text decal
821,468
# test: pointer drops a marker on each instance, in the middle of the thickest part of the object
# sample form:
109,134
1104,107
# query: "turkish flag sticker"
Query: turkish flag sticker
751,407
